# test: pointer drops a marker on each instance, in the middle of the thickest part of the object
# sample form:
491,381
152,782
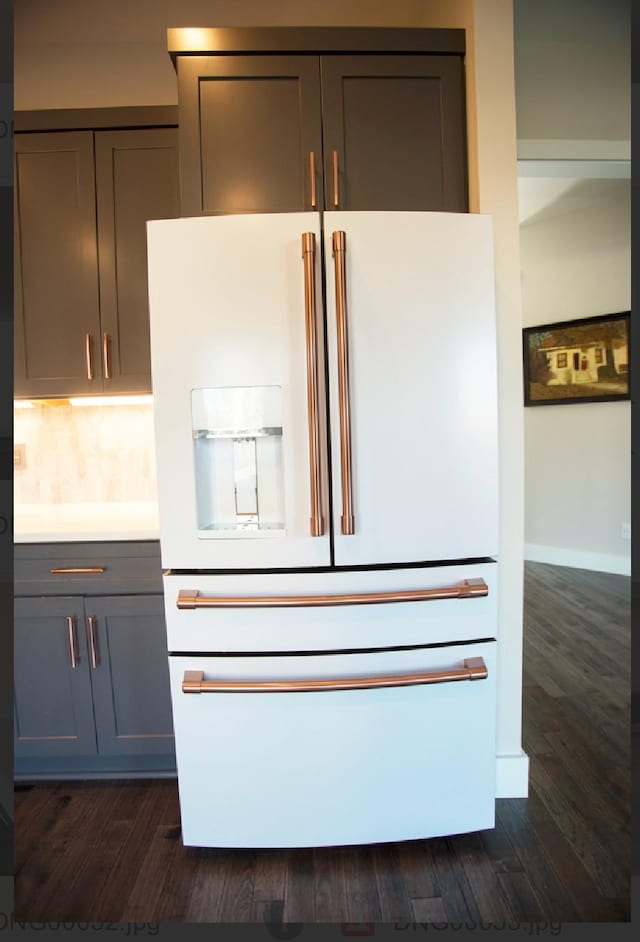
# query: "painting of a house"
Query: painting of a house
583,360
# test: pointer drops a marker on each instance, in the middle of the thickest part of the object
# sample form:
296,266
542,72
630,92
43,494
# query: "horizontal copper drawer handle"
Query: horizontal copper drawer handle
473,668
466,589
95,570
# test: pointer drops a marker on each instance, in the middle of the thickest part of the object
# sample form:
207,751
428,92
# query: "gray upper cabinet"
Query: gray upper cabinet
281,133
136,180
57,316
394,132
249,126
53,715
82,199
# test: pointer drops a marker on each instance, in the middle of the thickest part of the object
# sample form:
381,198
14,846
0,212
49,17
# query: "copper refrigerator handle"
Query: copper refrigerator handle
315,478
336,185
73,655
473,668
93,643
88,355
95,570
465,589
312,179
347,523
105,355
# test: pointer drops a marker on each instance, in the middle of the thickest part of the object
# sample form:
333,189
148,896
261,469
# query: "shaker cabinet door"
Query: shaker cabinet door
394,132
57,318
250,134
129,675
136,180
53,712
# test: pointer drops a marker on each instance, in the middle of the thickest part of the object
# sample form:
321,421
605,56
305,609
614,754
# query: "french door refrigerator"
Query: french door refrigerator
325,403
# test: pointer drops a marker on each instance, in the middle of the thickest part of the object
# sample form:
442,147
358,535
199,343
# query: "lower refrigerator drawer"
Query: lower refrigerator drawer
367,747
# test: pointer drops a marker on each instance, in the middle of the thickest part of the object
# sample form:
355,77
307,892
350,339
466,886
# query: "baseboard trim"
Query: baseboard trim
578,559
512,776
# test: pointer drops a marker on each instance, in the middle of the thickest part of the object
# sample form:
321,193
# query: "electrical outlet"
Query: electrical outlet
19,457
625,531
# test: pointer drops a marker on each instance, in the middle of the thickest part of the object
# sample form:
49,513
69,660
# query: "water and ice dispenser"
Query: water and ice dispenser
237,440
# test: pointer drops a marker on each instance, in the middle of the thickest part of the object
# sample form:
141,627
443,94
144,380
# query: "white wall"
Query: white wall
73,54
573,75
577,457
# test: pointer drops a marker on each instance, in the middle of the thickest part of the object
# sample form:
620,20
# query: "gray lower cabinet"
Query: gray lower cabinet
91,686
53,708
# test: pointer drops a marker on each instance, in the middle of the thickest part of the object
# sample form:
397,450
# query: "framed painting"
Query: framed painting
585,360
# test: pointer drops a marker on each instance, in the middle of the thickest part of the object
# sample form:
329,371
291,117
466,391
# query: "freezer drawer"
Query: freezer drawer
212,625
328,766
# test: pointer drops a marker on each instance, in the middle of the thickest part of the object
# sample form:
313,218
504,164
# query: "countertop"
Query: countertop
59,523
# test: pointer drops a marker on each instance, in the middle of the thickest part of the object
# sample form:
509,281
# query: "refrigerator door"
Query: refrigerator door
413,389
238,385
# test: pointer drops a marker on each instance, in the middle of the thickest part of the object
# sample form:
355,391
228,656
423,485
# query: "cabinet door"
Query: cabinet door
57,322
52,687
394,132
136,180
248,128
129,675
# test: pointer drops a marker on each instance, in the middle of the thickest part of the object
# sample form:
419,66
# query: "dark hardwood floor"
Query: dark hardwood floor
112,850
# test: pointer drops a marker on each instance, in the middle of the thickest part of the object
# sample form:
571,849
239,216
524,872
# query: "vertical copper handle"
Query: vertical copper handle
339,261
312,179
93,644
105,355
336,190
73,656
88,353
309,257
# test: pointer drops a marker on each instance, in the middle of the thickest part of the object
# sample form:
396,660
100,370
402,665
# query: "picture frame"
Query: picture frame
581,360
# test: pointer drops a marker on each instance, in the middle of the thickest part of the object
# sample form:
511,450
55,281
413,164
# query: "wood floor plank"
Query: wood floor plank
418,869
207,886
237,896
178,883
395,903
360,884
144,899
299,904
455,891
537,862
329,885
492,902
270,874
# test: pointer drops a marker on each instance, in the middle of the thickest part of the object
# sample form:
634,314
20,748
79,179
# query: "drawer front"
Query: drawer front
87,569
319,627
335,766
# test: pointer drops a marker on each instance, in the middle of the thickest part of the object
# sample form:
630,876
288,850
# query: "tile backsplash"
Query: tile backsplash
85,455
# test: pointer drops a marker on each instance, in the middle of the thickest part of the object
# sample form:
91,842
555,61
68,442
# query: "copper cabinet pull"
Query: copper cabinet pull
465,589
336,191
105,355
73,655
347,522
312,179
309,257
473,668
88,353
95,570
93,643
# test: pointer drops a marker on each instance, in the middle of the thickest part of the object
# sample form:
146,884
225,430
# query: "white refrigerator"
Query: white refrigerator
325,400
